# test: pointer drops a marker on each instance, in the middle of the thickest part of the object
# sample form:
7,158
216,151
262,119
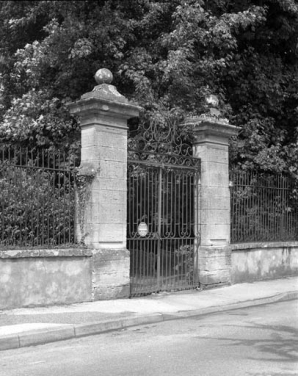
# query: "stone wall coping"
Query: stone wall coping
42,253
108,249
256,245
215,248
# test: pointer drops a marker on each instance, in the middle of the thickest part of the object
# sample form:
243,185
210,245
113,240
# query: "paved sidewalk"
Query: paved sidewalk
33,326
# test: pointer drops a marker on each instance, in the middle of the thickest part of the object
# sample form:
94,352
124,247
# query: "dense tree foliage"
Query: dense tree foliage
167,56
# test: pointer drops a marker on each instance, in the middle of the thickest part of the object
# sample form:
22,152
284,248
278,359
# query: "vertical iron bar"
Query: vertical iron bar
32,211
43,228
172,234
159,224
153,229
26,206
165,217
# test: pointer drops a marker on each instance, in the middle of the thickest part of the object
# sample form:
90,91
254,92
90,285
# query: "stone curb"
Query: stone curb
64,332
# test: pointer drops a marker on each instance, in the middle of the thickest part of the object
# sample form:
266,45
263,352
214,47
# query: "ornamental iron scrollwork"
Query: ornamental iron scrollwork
165,143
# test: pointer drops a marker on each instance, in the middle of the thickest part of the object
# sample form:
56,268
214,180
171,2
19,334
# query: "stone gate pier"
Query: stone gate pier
101,222
211,146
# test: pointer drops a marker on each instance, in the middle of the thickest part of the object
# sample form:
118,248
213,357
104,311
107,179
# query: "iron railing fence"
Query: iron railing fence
37,205
264,207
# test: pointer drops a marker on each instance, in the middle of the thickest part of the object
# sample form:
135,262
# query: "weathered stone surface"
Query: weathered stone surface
214,265
261,262
114,197
114,214
71,252
265,245
110,274
110,183
106,136
108,233
89,153
215,216
108,292
218,154
88,137
22,253
218,177
31,253
114,154
109,169
215,251
34,281
216,278
215,234
214,203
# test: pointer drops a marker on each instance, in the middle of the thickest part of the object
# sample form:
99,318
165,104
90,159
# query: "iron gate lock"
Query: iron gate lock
143,229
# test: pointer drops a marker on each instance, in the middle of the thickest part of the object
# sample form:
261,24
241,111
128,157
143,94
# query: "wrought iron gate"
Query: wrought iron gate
163,210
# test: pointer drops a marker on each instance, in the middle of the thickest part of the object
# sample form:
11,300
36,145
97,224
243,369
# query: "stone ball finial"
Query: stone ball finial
212,100
103,76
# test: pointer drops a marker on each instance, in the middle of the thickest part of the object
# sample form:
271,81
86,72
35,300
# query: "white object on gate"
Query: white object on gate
143,229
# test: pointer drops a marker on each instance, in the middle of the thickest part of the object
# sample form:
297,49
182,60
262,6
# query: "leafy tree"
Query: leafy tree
166,55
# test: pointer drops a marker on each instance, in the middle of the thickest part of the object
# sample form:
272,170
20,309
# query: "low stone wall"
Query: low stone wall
261,261
44,277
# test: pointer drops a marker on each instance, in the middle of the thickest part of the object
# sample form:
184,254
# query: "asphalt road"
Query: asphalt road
258,341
